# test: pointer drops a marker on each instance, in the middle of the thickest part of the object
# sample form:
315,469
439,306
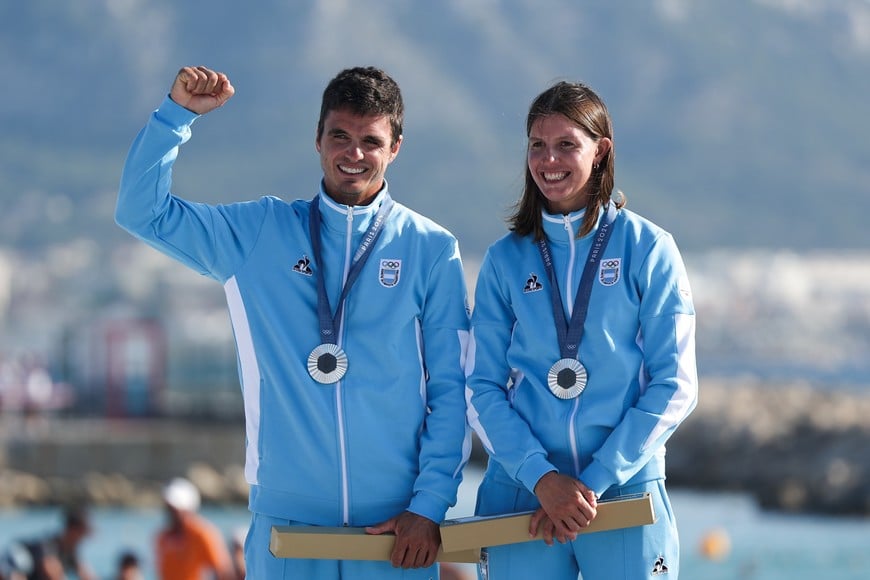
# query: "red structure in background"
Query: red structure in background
135,358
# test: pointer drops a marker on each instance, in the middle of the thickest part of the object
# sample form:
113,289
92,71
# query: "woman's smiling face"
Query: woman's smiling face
561,157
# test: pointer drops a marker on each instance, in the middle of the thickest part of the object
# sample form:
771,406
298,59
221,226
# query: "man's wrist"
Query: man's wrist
553,471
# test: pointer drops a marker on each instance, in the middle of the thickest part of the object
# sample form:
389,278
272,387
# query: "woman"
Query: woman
582,361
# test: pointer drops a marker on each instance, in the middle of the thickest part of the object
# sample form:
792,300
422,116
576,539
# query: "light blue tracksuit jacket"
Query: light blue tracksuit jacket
637,347
391,435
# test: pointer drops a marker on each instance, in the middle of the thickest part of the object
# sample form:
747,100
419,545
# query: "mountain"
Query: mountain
738,124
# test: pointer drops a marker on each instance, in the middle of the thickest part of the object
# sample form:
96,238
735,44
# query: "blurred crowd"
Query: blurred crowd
27,387
187,546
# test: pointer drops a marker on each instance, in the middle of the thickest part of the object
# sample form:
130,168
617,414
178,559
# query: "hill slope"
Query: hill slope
737,124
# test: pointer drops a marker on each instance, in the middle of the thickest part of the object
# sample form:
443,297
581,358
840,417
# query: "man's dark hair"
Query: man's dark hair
76,517
128,559
364,91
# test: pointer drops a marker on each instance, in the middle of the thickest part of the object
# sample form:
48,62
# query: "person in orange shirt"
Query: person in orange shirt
189,546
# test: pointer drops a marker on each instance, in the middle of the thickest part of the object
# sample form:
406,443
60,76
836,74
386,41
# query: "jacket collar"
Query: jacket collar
334,216
557,226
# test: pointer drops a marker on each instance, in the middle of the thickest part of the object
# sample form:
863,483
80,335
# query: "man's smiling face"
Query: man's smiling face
354,154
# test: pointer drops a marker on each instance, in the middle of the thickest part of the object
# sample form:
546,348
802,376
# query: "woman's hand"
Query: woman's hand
567,503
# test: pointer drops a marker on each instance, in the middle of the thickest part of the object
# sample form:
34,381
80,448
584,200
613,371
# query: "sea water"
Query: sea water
723,536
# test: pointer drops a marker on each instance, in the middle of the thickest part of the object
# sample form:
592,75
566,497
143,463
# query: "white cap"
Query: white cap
181,494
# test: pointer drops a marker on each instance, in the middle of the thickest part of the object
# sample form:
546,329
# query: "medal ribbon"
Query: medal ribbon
570,335
328,322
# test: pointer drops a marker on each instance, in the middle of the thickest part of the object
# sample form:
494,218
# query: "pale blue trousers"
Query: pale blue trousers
651,551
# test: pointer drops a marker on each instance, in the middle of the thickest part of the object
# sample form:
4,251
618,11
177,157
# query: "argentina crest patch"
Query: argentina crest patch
608,273
390,272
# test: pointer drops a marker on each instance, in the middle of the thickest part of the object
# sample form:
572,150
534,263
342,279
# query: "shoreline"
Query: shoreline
794,448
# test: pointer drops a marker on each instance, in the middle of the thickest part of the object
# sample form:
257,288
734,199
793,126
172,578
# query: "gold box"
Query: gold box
338,543
482,531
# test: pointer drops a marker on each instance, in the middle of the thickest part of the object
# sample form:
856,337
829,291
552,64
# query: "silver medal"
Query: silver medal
327,363
567,378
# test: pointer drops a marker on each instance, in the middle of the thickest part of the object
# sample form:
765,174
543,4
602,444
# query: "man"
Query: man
129,567
56,556
189,546
350,319
237,552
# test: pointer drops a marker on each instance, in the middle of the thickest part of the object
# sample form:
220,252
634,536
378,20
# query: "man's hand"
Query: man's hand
543,525
201,90
417,540
568,504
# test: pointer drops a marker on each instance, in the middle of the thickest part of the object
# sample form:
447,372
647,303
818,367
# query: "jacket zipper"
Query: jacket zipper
345,499
569,294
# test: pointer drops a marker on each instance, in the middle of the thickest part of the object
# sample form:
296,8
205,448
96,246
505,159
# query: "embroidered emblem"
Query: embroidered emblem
532,284
389,272
659,568
608,273
303,266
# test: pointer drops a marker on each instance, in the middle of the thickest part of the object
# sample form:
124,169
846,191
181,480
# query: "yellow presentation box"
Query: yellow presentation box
482,531
338,543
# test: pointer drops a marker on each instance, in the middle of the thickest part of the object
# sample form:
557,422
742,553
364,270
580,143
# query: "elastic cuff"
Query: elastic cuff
174,114
596,478
534,468
428,506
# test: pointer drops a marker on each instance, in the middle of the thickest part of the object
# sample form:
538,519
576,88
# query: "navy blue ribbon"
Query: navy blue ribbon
570,335
328,322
